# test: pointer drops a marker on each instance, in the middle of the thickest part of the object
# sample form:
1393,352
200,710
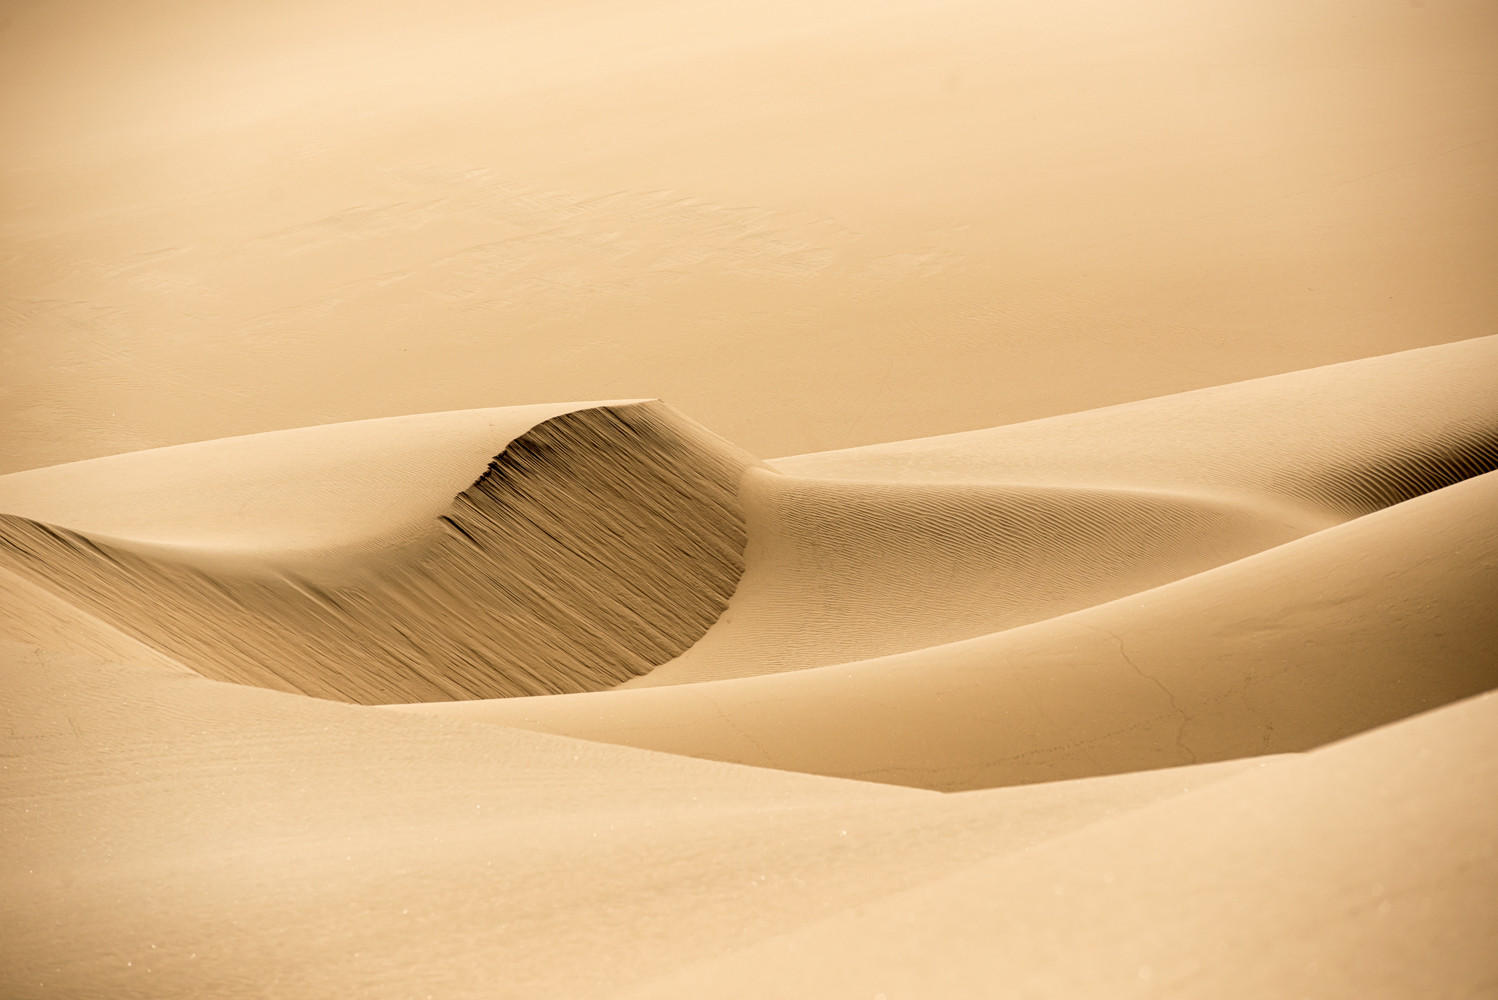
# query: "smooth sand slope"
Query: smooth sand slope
169,836
1151,646
1364,869
808,224
935,540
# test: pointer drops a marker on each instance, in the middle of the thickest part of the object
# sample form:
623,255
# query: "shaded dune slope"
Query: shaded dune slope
890,548
841,571
598,543
1311,641
619,543
1331,443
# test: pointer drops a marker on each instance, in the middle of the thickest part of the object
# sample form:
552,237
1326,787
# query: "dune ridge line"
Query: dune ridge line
600,542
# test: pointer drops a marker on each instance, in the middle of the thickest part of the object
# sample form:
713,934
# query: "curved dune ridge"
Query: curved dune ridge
620,544
1143,650
933,625
1083,600
1329,443
598,543
841,571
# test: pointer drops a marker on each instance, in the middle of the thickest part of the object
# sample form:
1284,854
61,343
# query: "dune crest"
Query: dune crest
1283,651
598,543
892,548
1324,444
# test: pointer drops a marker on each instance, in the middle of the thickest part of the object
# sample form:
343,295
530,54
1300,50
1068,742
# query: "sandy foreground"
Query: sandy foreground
401,595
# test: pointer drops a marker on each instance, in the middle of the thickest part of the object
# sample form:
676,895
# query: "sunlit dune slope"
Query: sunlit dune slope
841,571
917,543
1322,637
169,836
378,561
1334,441
1364,869
600,541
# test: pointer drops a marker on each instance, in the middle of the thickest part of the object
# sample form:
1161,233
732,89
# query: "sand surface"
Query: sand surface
1023,520
807,224
1218,723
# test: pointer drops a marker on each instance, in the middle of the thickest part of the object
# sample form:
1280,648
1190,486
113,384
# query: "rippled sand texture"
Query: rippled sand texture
596,544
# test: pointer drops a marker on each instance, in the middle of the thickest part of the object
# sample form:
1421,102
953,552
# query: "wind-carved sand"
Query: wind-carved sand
1147,644
606,543
1149,639
598,543
1026,695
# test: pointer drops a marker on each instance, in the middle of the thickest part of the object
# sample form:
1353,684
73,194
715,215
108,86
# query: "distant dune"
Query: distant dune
809,224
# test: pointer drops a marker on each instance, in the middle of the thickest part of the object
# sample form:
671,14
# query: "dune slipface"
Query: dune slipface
598,543
1212,575
1125,637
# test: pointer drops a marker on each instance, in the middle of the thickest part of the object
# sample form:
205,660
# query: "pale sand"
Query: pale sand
1173,694
172,836
1366,869
1314,640
1141,799
807,224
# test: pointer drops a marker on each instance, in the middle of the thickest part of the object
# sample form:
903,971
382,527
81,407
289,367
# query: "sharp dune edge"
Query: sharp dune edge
1102,633
1284,651
598,543
605,541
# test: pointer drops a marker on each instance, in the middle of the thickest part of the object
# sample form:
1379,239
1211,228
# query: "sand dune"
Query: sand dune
605,541
892,548
1255,656
598,543
1280,880
1128,634
1167,667
1309,642
171,836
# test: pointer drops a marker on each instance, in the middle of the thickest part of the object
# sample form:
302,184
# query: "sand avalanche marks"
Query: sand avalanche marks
600,543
